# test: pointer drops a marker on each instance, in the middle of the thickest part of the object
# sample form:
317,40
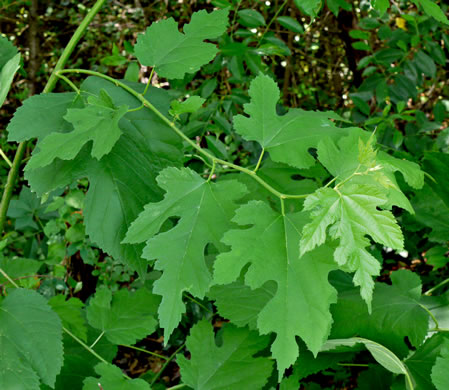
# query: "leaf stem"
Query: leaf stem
14,171
8,278
97,340
443,283
180,386
430,315
84,345
148,83
156,377
69,82
260,160
144,351
211,171
183,136
271,22
5,157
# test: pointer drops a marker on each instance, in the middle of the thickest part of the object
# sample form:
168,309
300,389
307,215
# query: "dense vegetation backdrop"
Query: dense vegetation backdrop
311,136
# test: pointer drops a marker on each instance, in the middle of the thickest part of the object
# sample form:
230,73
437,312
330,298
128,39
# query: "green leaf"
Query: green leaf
381,6
41,115
29,331
381,354
422,361
112,378
271,247
180,53
9,64
17,268
123,317
205,210
79,363
288,138
425,64
71,314
432,9
396,314
7,75
251,18
27,209
228,366
441,368
191,104
433,212
115,196
309,7
97,122
241,304
351,214
290,24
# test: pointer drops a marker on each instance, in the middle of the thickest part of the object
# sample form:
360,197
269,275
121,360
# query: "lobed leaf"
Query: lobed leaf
287,138
228,366
123,317
271,247
180,53
205,210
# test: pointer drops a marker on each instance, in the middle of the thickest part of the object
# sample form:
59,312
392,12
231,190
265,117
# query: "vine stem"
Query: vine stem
14,171
271,22
144,351
156,377
8,278
171,124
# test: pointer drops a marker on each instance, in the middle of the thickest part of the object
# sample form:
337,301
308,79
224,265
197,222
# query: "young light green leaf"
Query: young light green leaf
29,330
97,122
354,159
287,138
271,247
205,210
180,53
112,378
210,366
9,64
191,104
123,317
351,213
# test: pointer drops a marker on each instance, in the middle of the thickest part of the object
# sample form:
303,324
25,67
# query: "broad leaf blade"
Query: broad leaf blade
180,53
124,317
112,378
271,247
29,330
205,210
209,367
288,138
